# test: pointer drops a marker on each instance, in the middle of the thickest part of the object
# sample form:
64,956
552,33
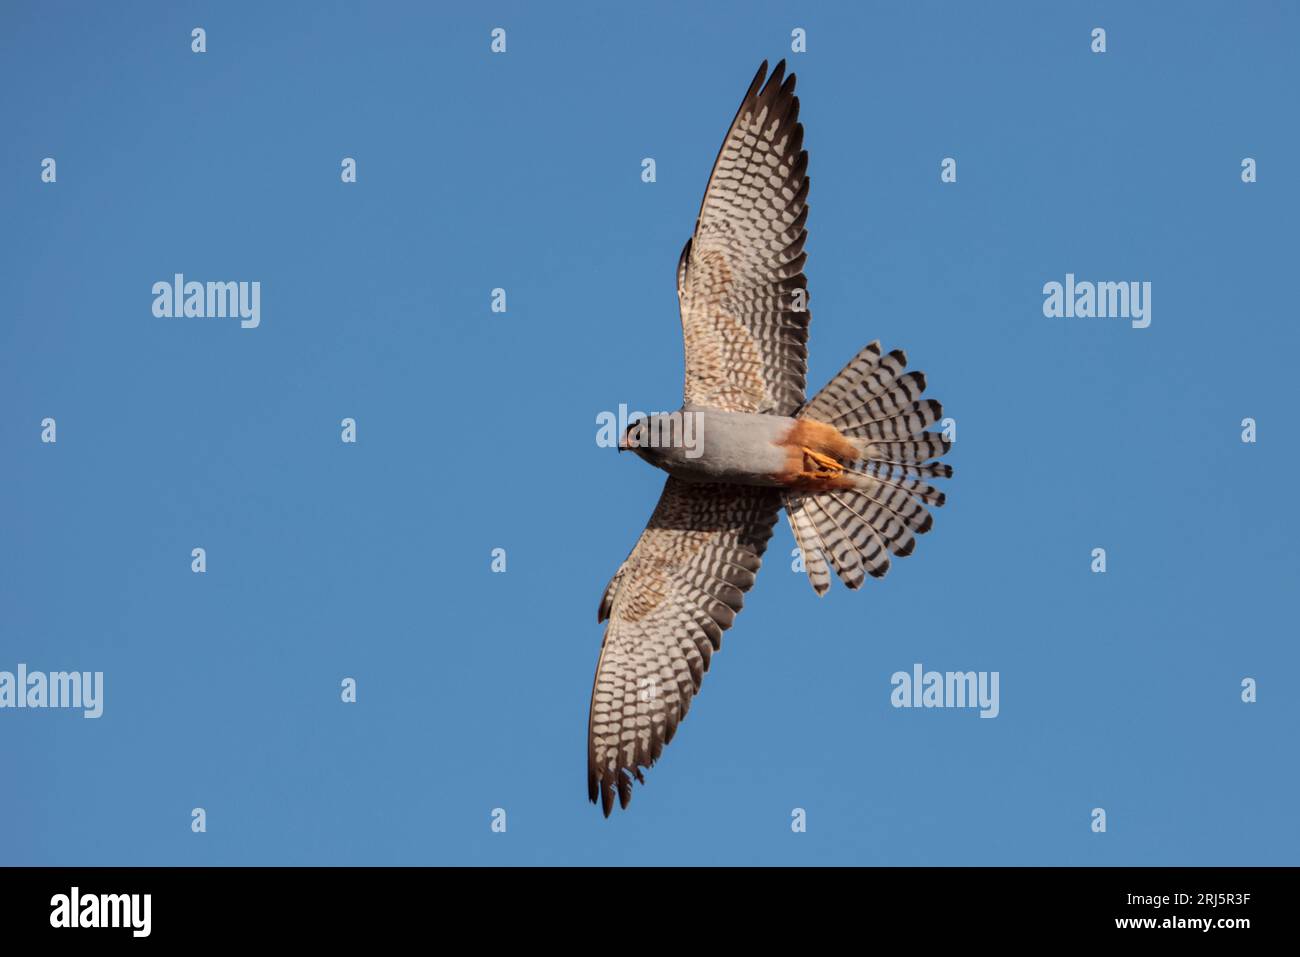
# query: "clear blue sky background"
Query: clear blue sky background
477,431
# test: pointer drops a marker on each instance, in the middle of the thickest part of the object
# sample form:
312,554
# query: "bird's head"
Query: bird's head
665,438
636,438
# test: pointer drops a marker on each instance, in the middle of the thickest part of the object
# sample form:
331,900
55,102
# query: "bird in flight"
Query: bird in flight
852,467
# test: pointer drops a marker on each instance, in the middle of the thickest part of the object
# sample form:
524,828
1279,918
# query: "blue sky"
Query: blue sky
477,430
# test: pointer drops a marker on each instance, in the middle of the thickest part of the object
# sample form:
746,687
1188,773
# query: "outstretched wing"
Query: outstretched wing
740,282
668,606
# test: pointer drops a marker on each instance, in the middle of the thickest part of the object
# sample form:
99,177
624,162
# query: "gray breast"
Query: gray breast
717,446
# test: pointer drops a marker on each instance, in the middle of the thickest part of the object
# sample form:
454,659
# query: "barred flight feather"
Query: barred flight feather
878,405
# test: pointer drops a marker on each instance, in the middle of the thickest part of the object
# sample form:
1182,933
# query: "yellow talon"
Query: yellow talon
823,462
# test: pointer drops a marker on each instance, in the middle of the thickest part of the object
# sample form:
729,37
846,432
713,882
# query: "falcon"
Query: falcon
852,467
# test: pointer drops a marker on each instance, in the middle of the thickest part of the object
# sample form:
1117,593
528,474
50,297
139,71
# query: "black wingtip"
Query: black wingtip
787,90
776,79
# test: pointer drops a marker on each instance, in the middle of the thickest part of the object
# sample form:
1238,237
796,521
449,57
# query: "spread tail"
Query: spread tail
877,406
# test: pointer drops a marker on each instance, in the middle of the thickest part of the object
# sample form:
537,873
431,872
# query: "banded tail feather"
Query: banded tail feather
877,405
